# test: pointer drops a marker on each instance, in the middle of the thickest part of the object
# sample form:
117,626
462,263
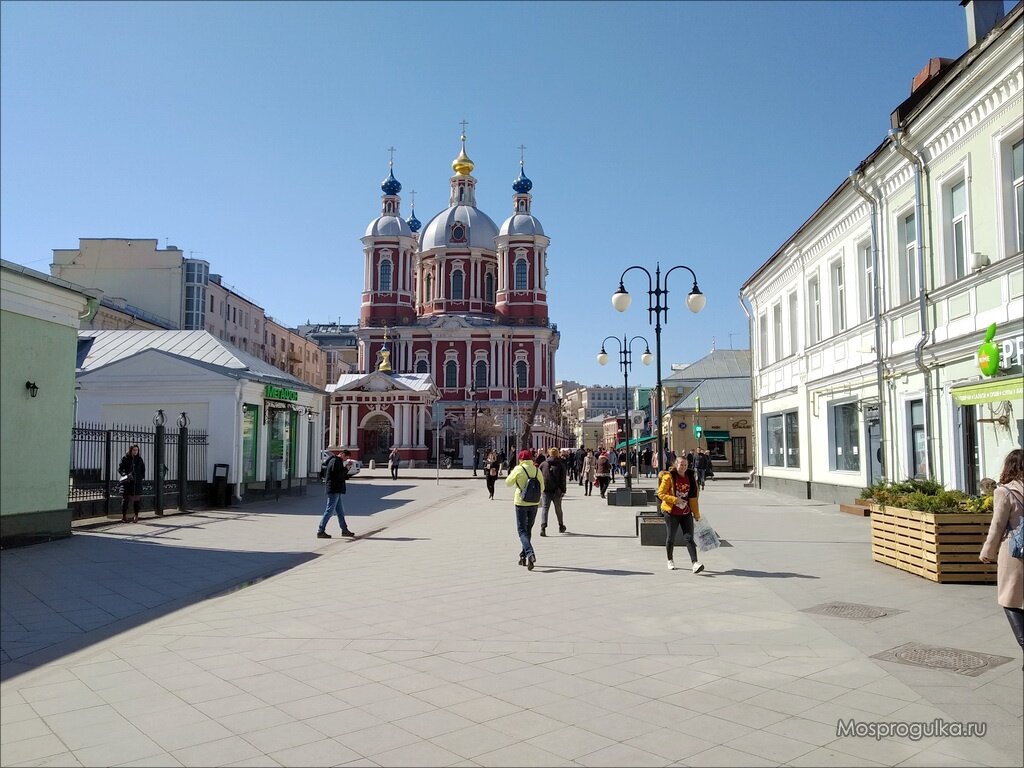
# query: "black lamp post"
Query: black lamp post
625,363
657,303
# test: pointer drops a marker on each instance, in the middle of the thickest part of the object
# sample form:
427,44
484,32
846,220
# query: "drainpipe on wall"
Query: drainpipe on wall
237,432
855,181
753,390
917,162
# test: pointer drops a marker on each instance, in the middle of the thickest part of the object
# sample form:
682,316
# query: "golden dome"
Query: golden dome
462,165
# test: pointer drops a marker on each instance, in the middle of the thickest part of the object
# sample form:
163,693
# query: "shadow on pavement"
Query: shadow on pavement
393,538
594,535
64,596
598,571
761,574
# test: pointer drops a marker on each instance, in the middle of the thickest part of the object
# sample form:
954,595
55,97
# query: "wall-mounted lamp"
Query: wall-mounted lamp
33,390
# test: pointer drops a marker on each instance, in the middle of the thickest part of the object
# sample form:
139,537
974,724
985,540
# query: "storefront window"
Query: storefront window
716,448
250,441
845,438
918,447
279,448
793,439
774,441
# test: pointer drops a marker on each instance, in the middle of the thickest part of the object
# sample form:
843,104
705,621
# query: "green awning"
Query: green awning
715,434
635,441
997,390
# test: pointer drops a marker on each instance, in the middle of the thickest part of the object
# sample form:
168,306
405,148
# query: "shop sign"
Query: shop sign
279,393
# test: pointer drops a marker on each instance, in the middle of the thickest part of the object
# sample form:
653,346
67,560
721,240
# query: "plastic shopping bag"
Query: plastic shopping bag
707,538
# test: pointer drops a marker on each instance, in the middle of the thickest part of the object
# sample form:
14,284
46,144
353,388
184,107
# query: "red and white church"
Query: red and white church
454,337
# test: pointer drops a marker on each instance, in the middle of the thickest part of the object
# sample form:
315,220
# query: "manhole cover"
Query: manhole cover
852,611
962,662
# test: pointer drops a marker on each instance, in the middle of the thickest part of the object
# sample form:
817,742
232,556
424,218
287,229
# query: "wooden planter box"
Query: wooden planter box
942,548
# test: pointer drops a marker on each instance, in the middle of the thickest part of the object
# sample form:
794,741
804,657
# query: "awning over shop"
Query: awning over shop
715,434
636,441
1005,388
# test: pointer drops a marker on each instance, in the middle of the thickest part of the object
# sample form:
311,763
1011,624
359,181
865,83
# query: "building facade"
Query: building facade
464,302
866,324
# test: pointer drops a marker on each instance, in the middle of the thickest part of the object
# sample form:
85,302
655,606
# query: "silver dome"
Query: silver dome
521,224
482,230
388,226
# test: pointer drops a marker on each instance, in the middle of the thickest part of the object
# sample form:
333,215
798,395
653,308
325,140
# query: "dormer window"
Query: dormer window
458,232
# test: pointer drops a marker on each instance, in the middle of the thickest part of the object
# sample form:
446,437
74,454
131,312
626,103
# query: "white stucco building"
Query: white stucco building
866,323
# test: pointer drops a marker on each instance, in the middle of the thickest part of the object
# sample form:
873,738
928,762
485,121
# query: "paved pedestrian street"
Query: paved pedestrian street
236,637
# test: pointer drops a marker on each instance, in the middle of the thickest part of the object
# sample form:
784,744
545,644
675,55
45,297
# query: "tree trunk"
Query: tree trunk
528,427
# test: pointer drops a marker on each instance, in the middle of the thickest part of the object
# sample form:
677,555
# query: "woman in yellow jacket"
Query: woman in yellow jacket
678,491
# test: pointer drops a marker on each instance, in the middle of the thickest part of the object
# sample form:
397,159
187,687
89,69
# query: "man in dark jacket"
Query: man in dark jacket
339,469
554,471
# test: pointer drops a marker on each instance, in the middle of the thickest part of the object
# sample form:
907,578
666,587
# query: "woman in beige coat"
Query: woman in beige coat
1007,510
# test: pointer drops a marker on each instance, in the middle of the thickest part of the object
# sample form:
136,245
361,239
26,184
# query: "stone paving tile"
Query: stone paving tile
520,756
337,724
421,753
571,742
726,757
250,720
484,709
156,761
749,714
885,751
525,724
669,744
327,752
24,729
219,752
283,736
376,739
830,758
62,760
123,750
473,741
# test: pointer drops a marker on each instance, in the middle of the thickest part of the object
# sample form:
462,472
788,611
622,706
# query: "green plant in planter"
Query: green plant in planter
923,496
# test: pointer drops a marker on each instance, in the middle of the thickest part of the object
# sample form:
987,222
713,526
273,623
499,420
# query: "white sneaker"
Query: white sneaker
698,567
671,566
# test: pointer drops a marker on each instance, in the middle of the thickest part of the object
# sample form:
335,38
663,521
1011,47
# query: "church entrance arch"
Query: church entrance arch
377,437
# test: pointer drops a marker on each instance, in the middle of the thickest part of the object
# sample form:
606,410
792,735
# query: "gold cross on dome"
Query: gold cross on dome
391,157
463,124
412,194
522,150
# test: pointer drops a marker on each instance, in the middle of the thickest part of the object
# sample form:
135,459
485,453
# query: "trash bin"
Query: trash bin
220,486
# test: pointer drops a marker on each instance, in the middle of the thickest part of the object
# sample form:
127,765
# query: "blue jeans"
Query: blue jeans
525,518
334,506
700,477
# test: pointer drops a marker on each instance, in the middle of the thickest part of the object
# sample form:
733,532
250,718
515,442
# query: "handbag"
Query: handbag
123,478
706,536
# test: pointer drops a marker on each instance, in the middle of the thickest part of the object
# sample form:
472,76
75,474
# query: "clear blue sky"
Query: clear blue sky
255,135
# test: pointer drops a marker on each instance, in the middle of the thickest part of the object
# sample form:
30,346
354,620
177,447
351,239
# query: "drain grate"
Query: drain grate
852,611
970,663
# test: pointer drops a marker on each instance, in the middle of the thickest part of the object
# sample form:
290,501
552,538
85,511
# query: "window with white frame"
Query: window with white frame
451,374
777,330
384,282
522,375
866,270
1017,184
794,325
480,375
907,262
762,328
422,366
814,310
489,287
458,285
838,296
916,438
792,435
428,288
956,229
845,424
522,272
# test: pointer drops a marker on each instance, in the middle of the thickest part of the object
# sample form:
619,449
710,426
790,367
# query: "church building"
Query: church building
454,340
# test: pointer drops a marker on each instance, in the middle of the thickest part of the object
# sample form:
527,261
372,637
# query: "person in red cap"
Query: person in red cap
528,481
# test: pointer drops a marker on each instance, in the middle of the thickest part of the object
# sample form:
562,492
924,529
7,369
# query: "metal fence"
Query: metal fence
175,462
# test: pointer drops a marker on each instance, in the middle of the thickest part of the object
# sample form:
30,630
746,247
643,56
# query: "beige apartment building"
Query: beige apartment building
145,287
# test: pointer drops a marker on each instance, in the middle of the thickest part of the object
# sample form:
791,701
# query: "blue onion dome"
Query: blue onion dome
390,185
413,222
522,185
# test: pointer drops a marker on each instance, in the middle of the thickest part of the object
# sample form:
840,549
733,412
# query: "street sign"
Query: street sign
637,419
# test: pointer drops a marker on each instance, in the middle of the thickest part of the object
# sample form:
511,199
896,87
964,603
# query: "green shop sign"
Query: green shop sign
279,393
988,353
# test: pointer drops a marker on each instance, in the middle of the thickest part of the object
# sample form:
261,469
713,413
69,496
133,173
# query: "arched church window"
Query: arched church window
422,366
458,285
451,374
521,275
480,377
489,288
428,288
385,276
522,375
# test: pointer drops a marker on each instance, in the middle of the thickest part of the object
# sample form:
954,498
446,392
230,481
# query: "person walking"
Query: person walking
492,466
339,469
677,488
526,511
131,471
703,464
646,461
394,459
1007,510
613,462
588,472
555,480
603,472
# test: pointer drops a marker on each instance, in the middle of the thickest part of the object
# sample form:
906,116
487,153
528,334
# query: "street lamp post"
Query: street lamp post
625,363
657,304
476,409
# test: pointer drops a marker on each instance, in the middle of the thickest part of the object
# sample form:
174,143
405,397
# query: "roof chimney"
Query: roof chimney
982,17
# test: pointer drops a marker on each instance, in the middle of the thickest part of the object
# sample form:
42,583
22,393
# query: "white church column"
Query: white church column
422,431
536,365
353,426
335,430
407,424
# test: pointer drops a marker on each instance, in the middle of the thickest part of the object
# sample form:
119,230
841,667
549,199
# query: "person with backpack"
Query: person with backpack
528,481
1004,534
